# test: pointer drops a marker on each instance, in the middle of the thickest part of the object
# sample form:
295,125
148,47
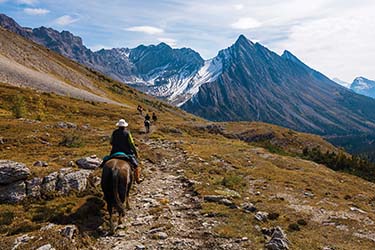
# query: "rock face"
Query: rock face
11,171
13,193
69,231
258,85
91,162
49,183
33,187
278,240
69,180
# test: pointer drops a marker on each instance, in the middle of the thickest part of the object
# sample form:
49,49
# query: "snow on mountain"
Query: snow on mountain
363,86
342,83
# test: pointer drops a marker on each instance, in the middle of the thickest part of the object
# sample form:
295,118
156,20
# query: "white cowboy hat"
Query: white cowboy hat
122,123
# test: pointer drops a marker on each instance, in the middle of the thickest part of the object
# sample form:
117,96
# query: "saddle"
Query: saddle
122,156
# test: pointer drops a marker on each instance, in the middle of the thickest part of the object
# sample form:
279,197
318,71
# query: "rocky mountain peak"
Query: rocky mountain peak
242,40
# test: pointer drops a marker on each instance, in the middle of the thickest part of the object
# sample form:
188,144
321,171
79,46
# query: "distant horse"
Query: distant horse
147,125
117,179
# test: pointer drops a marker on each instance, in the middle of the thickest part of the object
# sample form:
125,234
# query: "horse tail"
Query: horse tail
115,180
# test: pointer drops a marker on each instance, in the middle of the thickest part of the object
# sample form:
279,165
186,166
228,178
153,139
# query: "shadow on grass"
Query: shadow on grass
88,217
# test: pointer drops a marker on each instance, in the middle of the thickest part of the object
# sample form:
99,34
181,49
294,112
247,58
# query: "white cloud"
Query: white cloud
238,6
28,2
97,47
65,20
246,23
146,29
339,46
36,11
170,41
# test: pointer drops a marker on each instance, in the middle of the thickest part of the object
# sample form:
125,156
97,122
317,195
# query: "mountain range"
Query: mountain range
360,85
246,81
363,86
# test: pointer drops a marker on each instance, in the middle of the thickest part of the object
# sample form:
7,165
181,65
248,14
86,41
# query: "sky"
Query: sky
335,37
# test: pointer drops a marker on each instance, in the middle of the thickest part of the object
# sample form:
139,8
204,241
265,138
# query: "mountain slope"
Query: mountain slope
258,85
172,74
244,82
363,86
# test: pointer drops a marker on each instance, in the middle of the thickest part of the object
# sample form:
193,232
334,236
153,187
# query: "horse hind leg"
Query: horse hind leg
121,214
127,193
111,226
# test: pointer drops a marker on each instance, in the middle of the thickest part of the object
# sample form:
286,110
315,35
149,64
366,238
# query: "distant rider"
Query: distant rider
154,117
147,123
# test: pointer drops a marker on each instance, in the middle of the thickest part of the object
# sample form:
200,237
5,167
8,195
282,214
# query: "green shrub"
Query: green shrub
232,181
19,107
72,141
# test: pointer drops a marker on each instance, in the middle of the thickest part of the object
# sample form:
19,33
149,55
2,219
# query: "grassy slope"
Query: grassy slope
281,180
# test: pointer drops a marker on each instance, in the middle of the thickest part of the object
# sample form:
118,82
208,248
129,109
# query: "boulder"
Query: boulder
159,236
278,240
228,193
20,240
249,208
66,125
13,193
91,162
11,171
40,164
261,216
68,231
220,200
49,183
46,247
68,181
33,187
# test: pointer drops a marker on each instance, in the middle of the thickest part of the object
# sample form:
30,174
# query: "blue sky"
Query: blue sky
335,37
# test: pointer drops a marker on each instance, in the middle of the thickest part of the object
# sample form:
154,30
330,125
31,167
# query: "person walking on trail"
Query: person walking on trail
122,142
154,117
147,123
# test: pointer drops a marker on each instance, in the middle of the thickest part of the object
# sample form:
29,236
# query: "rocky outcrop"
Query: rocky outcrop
11,171
14,187
278,241
91,162
49,183
33,187
69,180
13,193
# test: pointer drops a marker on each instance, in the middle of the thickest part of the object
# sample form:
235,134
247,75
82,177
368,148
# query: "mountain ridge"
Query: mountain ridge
245,81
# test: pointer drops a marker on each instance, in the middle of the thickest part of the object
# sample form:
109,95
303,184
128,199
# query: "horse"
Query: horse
116,182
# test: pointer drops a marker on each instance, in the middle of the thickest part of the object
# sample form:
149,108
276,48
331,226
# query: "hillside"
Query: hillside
197,163
206,185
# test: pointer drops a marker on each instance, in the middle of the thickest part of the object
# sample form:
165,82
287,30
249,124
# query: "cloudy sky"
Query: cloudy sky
336,37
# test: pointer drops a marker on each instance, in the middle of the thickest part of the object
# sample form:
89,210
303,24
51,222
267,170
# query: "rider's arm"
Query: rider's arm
132,145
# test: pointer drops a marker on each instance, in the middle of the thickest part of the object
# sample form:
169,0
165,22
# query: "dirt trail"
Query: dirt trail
165,211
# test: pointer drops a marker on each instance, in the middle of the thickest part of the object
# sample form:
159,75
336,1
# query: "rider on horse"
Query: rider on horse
122,141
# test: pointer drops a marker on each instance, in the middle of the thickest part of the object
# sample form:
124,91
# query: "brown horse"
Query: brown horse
117,179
